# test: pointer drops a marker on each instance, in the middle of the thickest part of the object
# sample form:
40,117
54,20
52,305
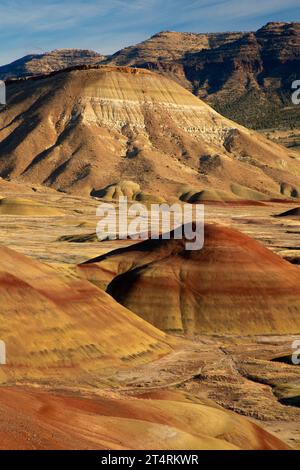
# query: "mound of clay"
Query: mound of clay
84,129
247,193
290,214
33,419
116,190
234,285
56,325
128,189
234,197
207,195
26,207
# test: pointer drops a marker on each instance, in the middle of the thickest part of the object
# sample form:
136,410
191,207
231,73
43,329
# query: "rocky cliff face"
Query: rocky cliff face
166,52
38,64
245,76
250,79
89,129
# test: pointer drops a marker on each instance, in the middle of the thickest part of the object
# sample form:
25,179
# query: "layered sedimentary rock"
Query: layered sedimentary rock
82,130
162,421
166,52
258,66
234,285
63,328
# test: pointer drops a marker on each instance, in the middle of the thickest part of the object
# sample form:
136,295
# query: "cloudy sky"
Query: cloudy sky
31,26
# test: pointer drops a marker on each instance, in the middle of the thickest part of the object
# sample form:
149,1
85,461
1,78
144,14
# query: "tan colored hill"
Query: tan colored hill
83,130
60,327
234,285
39,64
166,421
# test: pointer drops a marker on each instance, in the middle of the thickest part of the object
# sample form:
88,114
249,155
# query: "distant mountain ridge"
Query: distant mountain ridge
39,64
166,50
246,76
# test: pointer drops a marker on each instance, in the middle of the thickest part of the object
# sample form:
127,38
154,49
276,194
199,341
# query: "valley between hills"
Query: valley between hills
122,344
152,398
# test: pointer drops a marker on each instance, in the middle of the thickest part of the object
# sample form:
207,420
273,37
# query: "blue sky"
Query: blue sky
31,26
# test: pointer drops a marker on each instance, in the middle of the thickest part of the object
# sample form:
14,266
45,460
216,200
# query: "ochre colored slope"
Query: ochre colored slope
28,208
85,129
55,325
233,285
39,420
